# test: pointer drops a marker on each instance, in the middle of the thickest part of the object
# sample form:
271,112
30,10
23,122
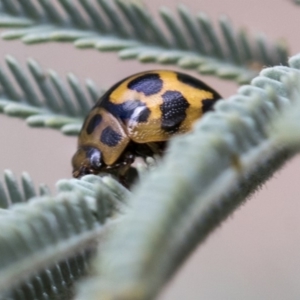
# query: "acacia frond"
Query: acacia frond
14,193
205,175
127,27
46,243
55,107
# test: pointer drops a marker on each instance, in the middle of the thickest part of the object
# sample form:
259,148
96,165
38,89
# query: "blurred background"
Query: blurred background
255,253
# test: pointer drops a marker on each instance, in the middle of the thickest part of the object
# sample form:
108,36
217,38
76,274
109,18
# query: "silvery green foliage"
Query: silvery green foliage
128,27
54,106
203,178
46,243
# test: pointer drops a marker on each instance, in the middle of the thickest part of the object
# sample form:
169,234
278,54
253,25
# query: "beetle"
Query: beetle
136,117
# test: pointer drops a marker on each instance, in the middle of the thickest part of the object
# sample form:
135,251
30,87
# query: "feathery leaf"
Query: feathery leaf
127,27
46,243
56,107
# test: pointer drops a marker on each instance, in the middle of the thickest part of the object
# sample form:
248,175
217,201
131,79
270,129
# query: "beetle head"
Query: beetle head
87,160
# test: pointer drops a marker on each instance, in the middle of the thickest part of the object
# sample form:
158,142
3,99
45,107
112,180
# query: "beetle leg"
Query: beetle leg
128,159
124,168
157,147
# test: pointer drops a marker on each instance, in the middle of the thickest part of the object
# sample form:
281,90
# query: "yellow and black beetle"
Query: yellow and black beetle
136,117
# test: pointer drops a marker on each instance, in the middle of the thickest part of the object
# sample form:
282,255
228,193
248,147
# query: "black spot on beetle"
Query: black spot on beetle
110,137
173,110
149,84
106,96
208,105
194,82
93,123
129,110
